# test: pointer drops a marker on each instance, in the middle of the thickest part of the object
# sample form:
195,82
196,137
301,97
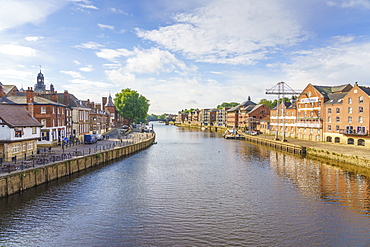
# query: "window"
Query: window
329,127
43,122
30,146
360,119
15,148
329,110
24,146
361,99
329,119
349,119
337,119
43,109
337,110
360,109
337,128
350,101
34,130
18,132
350,110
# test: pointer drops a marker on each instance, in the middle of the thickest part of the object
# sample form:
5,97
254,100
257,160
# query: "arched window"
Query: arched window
350,101
361,99
329,139
337,140
350,141
329,110
337,110
361,142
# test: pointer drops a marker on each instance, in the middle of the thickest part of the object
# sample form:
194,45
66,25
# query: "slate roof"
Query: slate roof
17,116
325,90
244,104
22,100
335,98
365,89
110,101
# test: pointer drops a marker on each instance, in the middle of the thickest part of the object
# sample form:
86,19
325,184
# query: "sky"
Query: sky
183,54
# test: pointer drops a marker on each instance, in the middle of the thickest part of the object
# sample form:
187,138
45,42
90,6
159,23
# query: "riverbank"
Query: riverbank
349,154
20,180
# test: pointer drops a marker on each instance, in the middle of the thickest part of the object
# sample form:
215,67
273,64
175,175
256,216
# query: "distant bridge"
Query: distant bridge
166,120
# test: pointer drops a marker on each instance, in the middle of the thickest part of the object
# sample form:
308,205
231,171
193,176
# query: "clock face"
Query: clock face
39,80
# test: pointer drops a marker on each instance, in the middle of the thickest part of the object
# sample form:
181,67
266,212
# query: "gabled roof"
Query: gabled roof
17,116
288,105
244,104
335,98
365,89
325,90
22,100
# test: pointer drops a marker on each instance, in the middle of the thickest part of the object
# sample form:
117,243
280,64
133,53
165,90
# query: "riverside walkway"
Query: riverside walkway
50,155
350,150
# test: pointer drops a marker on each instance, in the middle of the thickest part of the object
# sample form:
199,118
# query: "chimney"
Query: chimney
98,106
54,96
52,88
66,98
104,101
30,97
2,94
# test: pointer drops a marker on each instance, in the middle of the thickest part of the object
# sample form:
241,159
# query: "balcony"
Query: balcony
309,125
354,132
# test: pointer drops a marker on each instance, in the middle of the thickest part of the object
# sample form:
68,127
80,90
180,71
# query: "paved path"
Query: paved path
344,149
53,154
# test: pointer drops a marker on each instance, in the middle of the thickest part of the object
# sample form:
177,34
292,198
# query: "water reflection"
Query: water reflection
329,183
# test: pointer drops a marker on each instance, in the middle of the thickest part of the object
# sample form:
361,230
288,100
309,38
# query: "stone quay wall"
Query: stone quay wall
19,181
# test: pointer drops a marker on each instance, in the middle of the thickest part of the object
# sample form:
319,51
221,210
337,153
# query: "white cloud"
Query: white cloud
15,12
74,74
33,38
89,45
344,63
349,3
229,32
114,10
76,62
88,68
18,50
112,55
102,26
153,60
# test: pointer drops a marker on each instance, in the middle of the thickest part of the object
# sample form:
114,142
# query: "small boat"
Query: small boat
233,134
203,128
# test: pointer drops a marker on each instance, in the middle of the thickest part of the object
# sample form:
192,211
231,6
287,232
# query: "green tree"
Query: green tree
272,103
131,105
226,104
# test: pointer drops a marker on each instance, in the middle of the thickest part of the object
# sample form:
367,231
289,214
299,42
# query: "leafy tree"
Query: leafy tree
152,117
131,105
225,104
272,103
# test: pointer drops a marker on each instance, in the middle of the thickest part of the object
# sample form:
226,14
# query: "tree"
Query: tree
131,105
225,104
271,104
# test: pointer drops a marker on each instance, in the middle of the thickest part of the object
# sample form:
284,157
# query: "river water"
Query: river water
194,189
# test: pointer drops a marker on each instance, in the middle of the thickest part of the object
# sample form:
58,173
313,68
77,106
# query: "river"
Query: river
194,188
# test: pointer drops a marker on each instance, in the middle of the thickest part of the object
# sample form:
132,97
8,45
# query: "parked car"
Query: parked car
256,132
90,139
99,137
125,127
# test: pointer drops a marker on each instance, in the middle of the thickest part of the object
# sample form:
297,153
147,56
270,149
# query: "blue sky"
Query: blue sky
184,53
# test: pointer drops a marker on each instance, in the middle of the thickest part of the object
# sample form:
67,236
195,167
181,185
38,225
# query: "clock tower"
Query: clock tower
40,86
